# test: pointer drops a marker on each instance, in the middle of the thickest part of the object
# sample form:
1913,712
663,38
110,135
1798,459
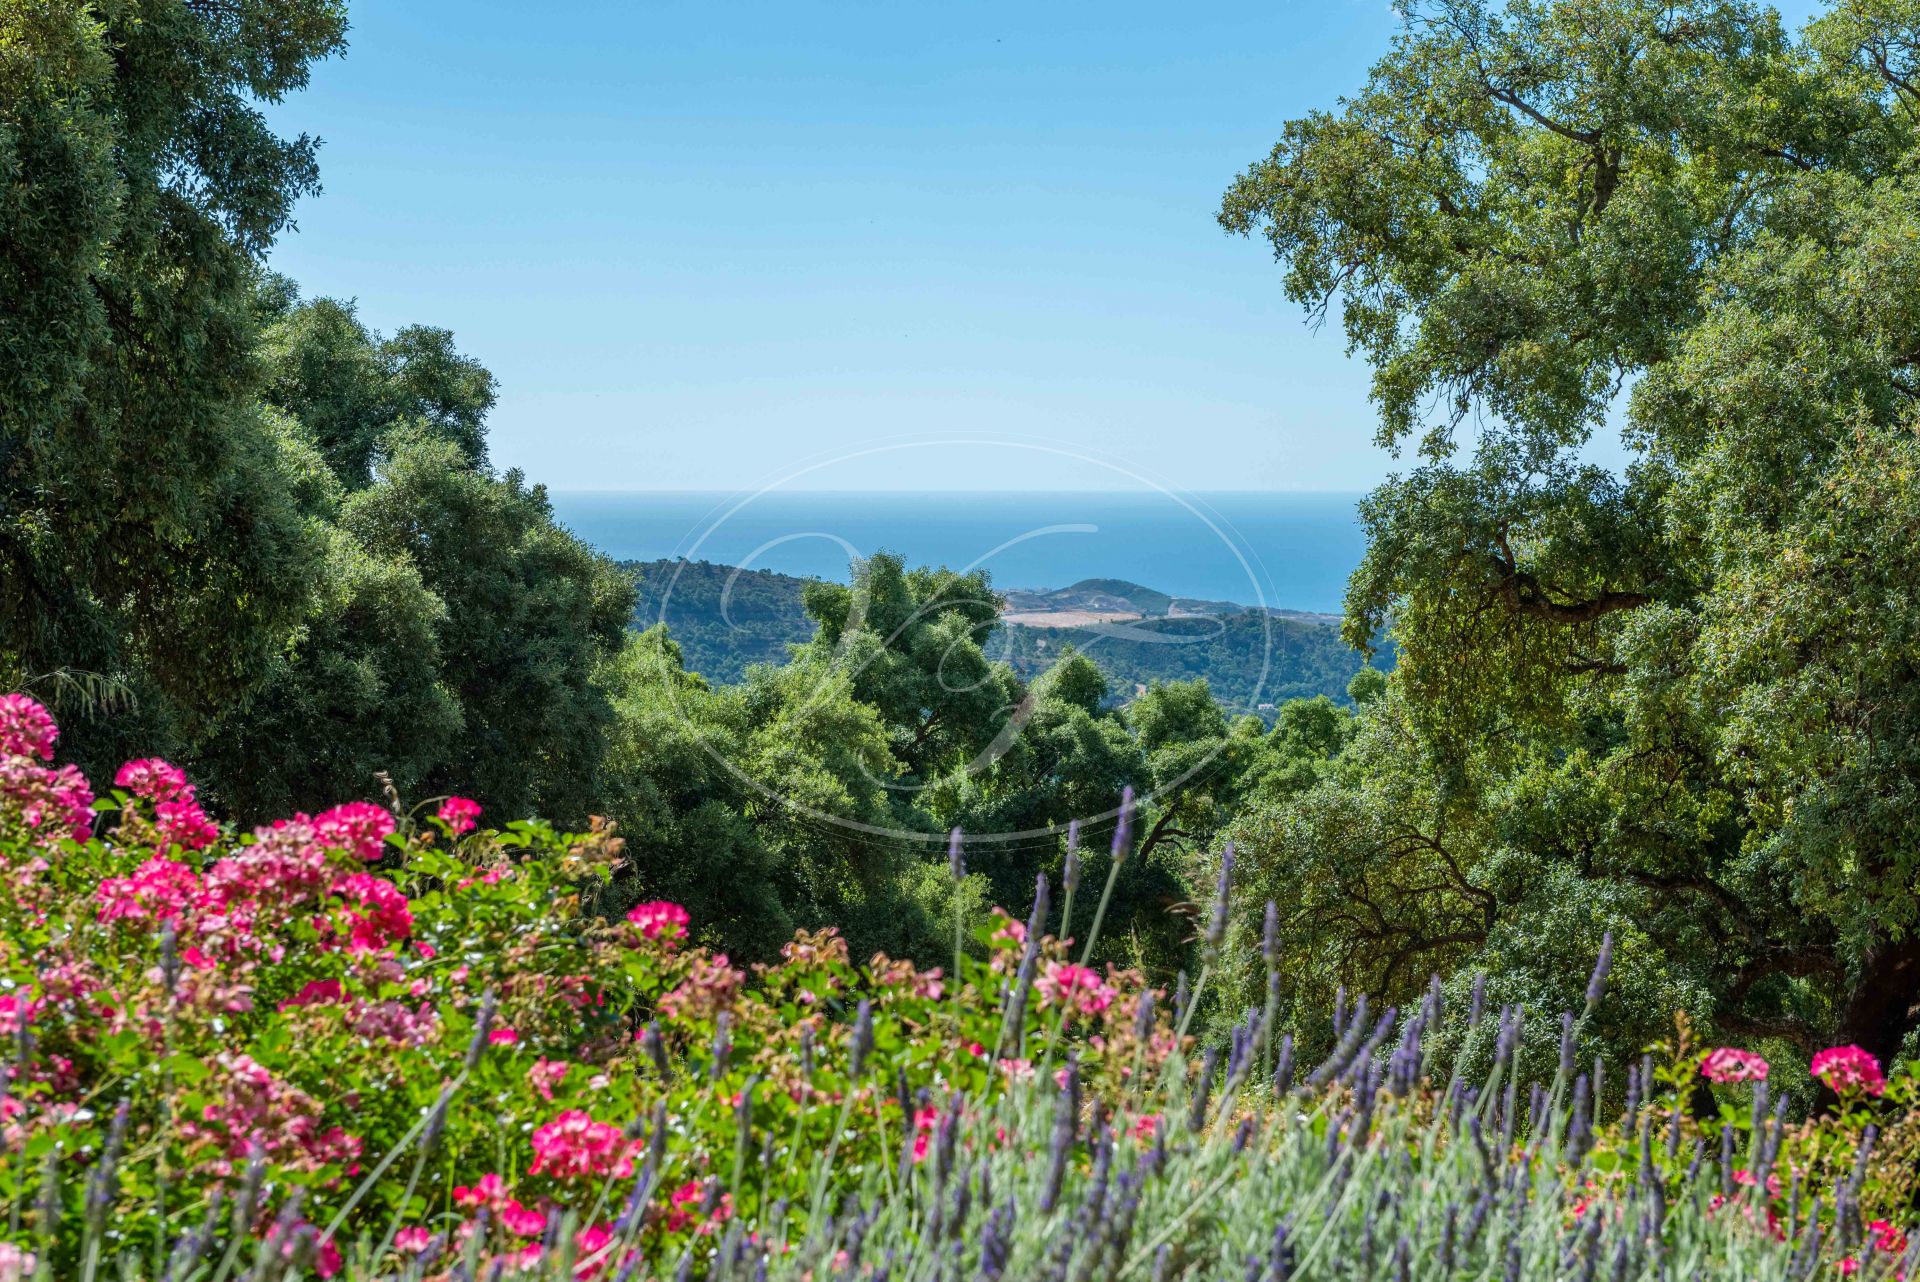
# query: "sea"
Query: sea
1288,550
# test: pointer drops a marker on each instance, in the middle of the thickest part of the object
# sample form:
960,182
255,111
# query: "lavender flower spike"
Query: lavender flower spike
1597,985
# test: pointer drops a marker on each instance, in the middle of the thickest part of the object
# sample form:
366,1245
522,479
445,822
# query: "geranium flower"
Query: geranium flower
184,824
1729,1064
384,915
359,827
660,919
26,728
1846,1068
573,1144
459,814
1076,986
154,780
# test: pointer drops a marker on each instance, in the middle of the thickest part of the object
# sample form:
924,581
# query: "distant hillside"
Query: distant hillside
725,619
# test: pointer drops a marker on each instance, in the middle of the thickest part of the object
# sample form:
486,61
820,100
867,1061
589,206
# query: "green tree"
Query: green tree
144,537
531,613
355,691
911,643
348,386
1675,701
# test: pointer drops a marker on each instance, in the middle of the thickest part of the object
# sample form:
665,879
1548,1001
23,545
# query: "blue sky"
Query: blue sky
704,245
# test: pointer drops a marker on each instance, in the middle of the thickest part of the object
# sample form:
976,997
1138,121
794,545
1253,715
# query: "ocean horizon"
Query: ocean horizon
1287,550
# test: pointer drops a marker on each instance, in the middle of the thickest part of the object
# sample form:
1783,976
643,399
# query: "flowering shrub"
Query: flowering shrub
364,1044
275,1018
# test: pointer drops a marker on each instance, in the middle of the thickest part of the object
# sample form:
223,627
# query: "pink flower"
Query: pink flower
317,992
545,1075
26,728
1729,1064
485,1192
184,824
17,1264
359,827
659,918
519,1220
155,780
39,794
503,1036
385,915
1846,1067
159,890
326,1256
413,1239
692,1195
1077,986
1887,1237
573,1144
459,814
1146,1125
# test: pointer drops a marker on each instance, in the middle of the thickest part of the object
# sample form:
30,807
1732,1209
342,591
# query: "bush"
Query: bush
381,1044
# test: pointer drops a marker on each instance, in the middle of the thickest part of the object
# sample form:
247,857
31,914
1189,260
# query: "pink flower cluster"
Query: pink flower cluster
660,919
1063,983
490,1191
26,728
459,814
1730,1064
1846,1068
382,917
359,827
160,890
177,817
44,797
260,1112
708,989
573,1145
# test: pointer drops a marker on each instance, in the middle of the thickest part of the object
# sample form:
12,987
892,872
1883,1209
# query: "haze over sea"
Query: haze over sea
1292,550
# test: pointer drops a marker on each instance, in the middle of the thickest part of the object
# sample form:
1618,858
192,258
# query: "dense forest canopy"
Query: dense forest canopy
1679,702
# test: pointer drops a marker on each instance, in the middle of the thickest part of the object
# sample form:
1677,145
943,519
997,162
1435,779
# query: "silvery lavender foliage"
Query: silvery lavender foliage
956,855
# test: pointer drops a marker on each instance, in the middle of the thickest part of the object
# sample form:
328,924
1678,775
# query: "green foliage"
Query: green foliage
349,387
144,535
723,619
1678,697
1247,660
530,614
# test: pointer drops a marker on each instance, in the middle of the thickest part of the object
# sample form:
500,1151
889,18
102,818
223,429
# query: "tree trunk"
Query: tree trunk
1882,1008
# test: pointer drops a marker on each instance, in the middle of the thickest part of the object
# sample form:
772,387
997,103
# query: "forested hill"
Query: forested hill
725,619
